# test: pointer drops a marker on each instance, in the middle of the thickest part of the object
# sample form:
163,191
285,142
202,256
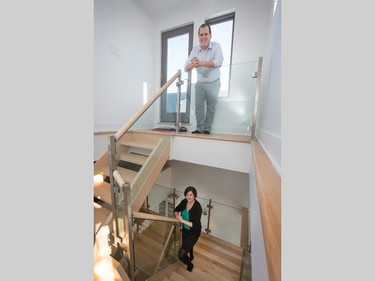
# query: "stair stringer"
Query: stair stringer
148,174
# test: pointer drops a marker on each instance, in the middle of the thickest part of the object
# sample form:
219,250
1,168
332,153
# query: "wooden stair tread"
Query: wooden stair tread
217,257
196,274
193,275
144,144
177,277
102,191
101,166
218,271
133,158
228,254
182,271
222,243
100,216
217,261
127,175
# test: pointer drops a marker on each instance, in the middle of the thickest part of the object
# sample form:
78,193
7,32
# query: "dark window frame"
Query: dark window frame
164,115
221,19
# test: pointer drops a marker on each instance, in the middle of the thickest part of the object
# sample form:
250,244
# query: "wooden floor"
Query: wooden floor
213,136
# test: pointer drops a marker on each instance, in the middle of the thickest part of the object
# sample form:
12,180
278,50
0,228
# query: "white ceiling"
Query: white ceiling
158,9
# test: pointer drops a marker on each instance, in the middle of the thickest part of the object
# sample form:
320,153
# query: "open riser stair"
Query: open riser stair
214,259
133,152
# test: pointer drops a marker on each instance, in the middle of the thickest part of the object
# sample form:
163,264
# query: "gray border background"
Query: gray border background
327,131
328,141
46,67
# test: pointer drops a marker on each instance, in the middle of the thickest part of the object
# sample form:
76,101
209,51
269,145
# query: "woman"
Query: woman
189,213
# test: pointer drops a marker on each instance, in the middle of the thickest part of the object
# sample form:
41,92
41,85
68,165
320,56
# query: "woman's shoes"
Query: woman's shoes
190,267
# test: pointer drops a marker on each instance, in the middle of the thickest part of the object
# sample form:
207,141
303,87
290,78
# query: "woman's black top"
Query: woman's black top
195,214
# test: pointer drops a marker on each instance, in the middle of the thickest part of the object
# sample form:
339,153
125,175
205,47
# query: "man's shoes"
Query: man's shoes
190,267
199,132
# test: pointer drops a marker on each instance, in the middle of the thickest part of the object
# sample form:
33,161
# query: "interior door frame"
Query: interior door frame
171,116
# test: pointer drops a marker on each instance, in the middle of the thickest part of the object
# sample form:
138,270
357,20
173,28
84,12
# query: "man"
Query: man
207,58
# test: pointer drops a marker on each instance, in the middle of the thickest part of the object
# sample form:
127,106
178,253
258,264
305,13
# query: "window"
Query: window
222,30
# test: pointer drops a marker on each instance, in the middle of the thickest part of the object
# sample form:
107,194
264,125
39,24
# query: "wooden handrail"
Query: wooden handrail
268,185
117,177
144,216
142,110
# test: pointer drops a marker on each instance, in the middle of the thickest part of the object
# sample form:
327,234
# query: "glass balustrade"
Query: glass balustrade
219,220
233,113
156,245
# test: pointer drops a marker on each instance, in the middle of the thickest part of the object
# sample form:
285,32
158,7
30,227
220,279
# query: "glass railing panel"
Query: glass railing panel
151,118
205,210
119,211
234,109
162,113
225,222
204,204
160,200
155,246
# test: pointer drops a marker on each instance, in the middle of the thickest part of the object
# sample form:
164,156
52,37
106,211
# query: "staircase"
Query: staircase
134,151
141,157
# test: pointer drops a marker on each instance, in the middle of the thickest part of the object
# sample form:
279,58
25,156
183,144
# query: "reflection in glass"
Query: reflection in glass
176,46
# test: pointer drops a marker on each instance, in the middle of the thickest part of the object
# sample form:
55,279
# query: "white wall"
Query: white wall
100,145
123,61
228,190
214,153
269,123
223,186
